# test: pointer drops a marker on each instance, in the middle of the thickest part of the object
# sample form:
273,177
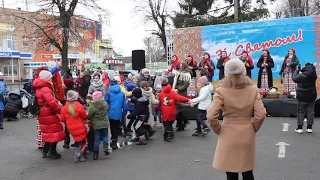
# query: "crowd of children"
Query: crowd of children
109,107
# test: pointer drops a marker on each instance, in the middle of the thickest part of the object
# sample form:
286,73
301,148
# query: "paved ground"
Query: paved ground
187,158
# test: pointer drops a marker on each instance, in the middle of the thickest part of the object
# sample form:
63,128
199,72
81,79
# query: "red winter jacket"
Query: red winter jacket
79,82
106,79
50,125
167,101
75,125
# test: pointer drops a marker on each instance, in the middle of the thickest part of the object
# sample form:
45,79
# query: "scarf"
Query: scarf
99,83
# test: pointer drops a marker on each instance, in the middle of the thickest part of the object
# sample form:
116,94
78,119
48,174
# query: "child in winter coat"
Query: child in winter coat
98,113
168,99
130,86
204,100
117,110
156,111
13,105
141,115
73,113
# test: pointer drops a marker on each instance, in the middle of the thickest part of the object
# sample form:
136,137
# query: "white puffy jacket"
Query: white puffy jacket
205,97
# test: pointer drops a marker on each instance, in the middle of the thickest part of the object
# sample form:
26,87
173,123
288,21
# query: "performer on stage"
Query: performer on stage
207,67
248,62
221,62
265,80
289,65
173,68
192,93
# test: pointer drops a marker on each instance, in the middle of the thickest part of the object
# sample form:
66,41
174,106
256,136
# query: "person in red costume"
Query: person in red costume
106,80
248,62
207,67
50,125
193,65
167,101
175,63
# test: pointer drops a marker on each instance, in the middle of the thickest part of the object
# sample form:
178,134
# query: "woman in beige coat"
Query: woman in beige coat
240,99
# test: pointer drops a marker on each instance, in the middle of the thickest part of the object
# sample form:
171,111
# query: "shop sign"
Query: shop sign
113,61
5,54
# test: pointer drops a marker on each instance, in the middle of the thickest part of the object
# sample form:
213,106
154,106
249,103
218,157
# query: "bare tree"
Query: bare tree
155,11
55,24
154,48
290,8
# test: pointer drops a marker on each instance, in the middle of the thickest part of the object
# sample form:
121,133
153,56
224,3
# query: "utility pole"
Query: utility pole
3,3
236,11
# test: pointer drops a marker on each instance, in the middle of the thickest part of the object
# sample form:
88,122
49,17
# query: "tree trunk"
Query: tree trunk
65,20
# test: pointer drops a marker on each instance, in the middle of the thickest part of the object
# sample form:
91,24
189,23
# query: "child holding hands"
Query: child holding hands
73,113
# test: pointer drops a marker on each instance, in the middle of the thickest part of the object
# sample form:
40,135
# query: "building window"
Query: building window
9,41
25,42
7,68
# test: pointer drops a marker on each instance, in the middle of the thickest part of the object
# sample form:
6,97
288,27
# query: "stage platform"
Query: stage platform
282,107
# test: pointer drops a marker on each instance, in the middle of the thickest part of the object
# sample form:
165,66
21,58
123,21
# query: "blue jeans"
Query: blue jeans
98,134
157,113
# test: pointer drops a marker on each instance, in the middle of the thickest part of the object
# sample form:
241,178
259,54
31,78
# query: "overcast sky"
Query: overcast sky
126,30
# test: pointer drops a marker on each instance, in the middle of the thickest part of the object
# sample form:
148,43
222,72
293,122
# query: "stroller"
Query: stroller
26,102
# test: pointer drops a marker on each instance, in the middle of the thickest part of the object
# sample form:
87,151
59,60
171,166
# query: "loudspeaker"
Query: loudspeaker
138,59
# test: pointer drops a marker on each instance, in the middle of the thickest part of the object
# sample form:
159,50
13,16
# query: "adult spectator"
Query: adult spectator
239,98
221,62
306,94
181,83
79,82
85,84
97,85
145,76
50,125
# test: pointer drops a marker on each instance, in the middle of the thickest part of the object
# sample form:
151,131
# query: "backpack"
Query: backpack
34,106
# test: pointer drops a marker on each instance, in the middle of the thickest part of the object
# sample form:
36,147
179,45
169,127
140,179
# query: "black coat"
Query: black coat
293,64
13,103
85,85
270,66
141,106
220,66
306,80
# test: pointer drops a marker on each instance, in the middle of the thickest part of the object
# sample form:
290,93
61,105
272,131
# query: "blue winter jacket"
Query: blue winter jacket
117,103
3,88
129,87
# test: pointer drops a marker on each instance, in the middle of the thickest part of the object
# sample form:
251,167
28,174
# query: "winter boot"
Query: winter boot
113,144
75,144
66,146
95,155
45,150
166,137
106,149
53,152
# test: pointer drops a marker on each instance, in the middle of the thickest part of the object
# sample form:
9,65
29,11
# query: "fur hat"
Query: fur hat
72,95
144,70
137,93
45,75
203,80
97,95
234,67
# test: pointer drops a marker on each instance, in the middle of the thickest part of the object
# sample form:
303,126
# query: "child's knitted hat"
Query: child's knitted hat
97,95
137,93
